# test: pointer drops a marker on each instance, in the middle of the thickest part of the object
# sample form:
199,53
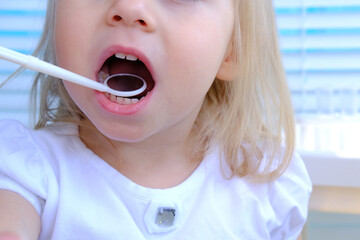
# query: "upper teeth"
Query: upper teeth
127,57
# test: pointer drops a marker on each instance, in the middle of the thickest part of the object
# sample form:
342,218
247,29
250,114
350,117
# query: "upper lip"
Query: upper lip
112,50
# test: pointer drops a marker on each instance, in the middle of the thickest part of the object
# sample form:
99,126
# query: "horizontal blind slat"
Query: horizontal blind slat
20,28
320,43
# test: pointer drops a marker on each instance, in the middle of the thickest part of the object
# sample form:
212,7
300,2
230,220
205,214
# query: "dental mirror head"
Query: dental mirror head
126,84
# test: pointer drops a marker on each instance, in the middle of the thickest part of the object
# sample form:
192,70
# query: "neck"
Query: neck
149,162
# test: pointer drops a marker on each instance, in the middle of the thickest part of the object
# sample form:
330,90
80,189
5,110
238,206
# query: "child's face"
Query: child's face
182,43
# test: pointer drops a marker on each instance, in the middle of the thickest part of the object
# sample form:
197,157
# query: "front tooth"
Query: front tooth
131,58
119,100
134,100
113,98
127,101
120,55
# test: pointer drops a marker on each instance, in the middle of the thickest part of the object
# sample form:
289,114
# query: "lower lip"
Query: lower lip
121,109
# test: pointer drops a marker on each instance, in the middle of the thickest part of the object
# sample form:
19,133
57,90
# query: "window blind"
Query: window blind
320,41
20,28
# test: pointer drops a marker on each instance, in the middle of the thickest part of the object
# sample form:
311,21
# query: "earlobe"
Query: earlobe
229,69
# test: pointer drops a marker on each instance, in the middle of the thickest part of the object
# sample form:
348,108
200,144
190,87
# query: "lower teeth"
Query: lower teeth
121,100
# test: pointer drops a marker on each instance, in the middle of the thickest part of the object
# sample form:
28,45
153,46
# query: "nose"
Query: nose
134,13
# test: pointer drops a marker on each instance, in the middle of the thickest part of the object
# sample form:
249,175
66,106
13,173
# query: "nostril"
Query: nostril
142,22
117,18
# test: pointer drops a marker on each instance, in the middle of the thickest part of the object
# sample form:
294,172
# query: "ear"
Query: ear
229,69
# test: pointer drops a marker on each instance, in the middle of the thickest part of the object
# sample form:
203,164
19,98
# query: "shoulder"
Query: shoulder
293,186
293,183
292,189
14,136
280,206
288,197
21,167
286,200
29,158
10,127
295,176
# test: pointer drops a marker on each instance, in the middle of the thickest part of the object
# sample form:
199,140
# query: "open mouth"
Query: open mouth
126,64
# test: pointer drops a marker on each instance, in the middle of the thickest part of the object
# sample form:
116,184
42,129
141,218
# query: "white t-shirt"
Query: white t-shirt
79,196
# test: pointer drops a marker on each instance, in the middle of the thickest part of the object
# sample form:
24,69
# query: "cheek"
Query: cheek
77,94
200,47
69,44
62,18
196,60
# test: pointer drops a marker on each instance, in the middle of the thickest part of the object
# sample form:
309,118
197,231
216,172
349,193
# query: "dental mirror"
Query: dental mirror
126,82
122,85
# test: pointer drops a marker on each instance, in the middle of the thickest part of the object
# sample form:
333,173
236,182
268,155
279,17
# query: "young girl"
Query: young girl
205,153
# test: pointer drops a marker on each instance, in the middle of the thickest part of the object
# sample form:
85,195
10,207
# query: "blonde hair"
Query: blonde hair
254,109
47,92
237,116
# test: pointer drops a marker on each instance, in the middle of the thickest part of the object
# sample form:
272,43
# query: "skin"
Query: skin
187,44
18,219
